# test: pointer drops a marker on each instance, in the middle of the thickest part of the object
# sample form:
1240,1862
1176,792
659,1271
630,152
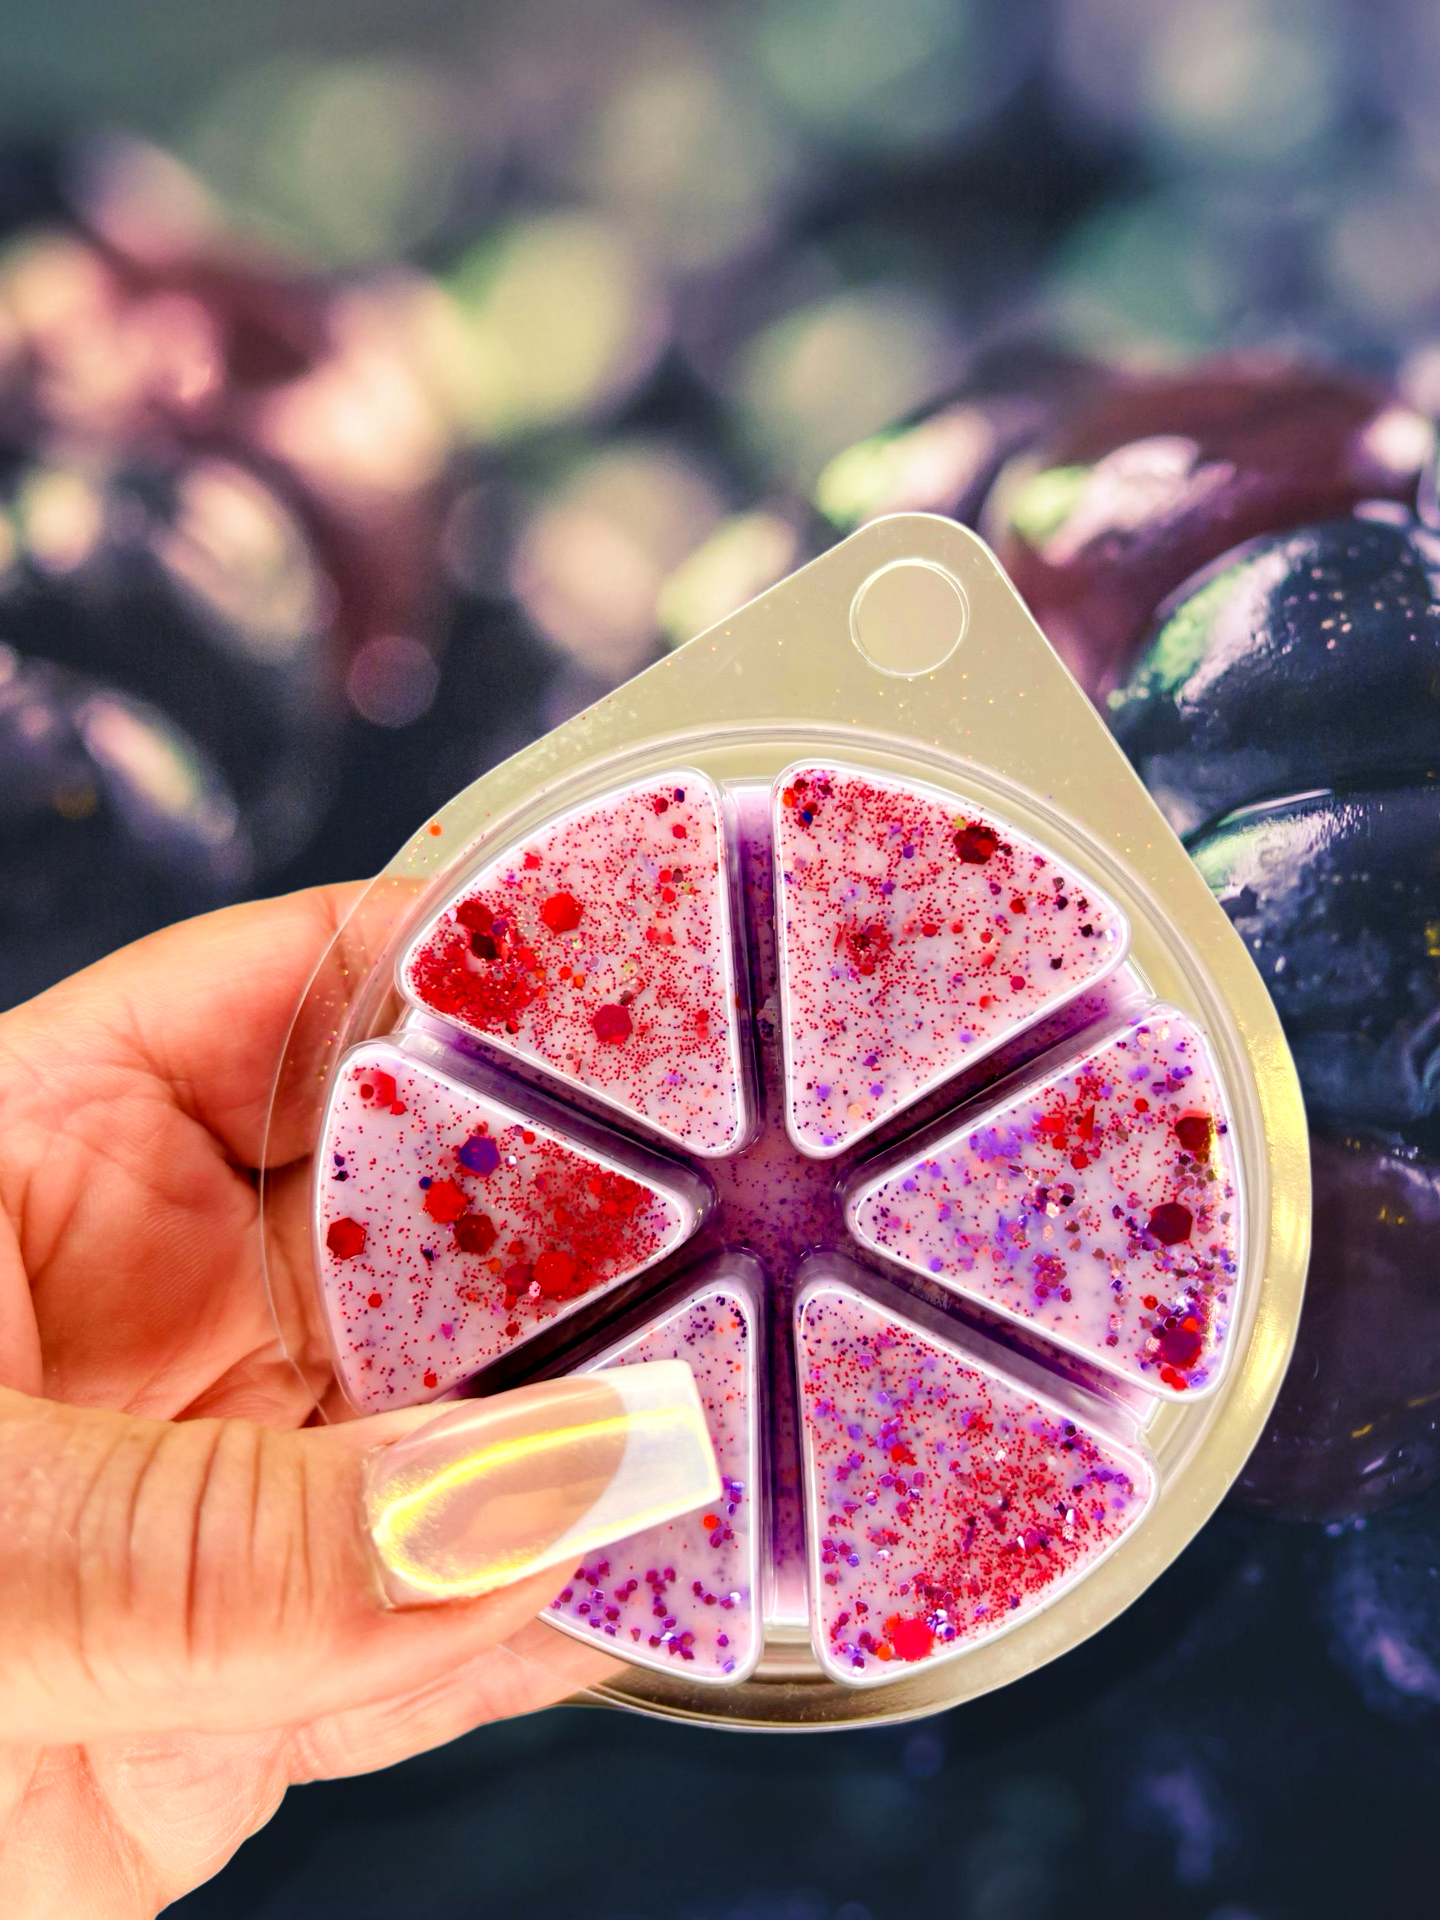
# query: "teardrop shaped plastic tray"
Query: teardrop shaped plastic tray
832,1009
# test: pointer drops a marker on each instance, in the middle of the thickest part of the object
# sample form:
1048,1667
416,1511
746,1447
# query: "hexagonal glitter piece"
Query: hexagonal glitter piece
451,1224
601,949
917,934
684,1596
1100,1205
946,1502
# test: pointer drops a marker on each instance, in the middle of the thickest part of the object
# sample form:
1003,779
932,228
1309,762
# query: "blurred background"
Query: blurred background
380,385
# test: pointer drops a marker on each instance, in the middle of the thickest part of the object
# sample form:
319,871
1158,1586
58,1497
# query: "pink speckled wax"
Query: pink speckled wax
916,936
946,1502
601,950
1099,1204
686,1595
451,1224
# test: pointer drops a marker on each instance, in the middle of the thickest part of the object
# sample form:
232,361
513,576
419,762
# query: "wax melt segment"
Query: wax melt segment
451,1225
946,1503
600,950
917,934
684,1596
1100,1204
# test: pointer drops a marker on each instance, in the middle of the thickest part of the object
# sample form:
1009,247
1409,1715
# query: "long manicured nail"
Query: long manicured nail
497,1489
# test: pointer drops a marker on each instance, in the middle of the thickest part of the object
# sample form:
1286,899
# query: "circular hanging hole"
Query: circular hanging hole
908,618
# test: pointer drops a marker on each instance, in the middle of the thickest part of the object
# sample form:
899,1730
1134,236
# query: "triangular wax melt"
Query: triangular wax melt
1099,1205
600,949
945,1502
683,1596
451,1226
917,934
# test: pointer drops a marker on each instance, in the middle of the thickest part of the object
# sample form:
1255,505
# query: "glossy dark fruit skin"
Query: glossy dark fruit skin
1337,897
1301,660
112,823
1162,474
1382,1607
1286,716
1357,1424
185,582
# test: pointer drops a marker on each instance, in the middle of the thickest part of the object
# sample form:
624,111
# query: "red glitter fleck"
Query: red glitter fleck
612,1024
445,1201
375,1300
561,912
431,1381
345,1239
864,945
1181,1346
976,843
475,1233
555,1274
379,1087
1193,1131
1171,1223
911,1639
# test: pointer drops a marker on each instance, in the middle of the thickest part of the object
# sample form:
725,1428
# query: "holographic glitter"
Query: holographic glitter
1100,1205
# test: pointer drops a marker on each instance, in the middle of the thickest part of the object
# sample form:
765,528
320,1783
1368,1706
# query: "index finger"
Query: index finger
207,1008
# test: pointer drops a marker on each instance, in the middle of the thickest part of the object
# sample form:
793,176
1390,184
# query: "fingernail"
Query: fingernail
497,1489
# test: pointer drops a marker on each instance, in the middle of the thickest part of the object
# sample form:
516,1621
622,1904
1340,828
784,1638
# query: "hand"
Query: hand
191,1615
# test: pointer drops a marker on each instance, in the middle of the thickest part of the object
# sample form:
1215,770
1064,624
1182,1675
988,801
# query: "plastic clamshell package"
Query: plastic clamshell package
837,1085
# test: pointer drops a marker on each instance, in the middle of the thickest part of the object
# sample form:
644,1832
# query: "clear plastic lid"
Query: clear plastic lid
830,1008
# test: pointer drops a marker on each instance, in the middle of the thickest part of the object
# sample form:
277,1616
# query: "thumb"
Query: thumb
218,1575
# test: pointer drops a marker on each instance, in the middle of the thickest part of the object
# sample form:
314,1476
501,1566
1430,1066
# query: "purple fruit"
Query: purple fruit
1338,898
1357,1424
1300,660
1163,473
